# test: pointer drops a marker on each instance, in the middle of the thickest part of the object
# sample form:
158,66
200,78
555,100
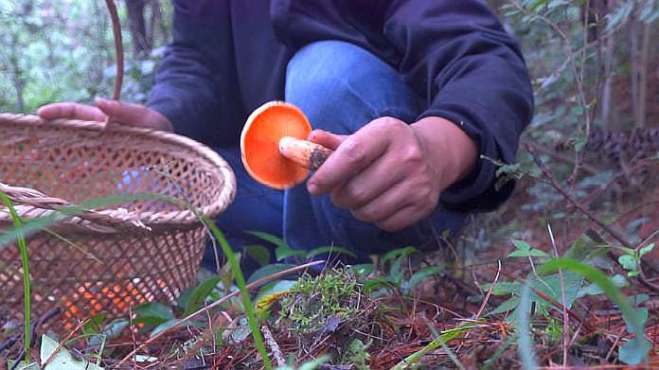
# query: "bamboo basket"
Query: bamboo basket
112,258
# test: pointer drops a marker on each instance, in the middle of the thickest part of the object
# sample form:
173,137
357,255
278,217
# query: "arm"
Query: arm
185,97
473,75
455,55
189,77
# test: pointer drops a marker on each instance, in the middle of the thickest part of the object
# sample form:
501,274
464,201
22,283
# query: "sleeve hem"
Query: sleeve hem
468,191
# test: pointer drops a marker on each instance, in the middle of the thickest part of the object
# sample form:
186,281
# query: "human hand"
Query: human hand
125,113
390,173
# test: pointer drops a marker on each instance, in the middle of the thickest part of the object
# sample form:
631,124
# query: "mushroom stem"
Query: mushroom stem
303,152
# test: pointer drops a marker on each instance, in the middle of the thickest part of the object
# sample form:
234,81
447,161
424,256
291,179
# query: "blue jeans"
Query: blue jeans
341,88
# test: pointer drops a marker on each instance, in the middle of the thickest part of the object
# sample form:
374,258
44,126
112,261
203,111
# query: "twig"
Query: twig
562,307
49,315
220,301
60,345
33,333
640,164
578,75
489,292
8,343
563,158
554,183
272,343
615,234
219,321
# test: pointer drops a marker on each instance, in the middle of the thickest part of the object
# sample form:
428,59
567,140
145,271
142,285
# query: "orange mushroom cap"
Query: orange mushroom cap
259,144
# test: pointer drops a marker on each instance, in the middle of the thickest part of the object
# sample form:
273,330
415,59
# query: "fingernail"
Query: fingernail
312,188
313,134
100,100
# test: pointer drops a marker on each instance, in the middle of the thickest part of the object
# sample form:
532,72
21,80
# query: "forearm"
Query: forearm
472,74
187,87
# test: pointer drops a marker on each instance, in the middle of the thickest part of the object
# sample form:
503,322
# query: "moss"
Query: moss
320,303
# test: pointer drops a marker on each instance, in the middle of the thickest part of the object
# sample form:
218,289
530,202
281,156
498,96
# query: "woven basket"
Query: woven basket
105,260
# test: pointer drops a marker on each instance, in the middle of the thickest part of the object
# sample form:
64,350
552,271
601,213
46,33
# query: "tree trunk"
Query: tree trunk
160,21
608,54
634,56
643,76
17,74
137,27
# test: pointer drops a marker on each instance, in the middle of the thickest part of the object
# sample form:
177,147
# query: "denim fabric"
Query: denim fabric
341,88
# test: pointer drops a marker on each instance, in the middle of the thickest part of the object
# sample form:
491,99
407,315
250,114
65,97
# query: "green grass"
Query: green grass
23,229
25,261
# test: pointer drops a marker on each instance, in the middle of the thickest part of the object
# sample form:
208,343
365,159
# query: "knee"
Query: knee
339,83
325,67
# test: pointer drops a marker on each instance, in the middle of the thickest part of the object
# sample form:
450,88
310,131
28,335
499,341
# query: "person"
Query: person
413,95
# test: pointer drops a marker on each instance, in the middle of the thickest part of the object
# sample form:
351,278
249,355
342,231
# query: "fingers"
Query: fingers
354,154
71,111
384,205
376,179
133,114
402,219
326,139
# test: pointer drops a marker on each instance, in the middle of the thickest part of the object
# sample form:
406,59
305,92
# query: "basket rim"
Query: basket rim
146,218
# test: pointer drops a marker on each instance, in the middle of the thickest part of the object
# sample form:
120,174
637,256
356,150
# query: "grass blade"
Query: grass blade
259,343
35,225
25,261
595,276
440,341
525,345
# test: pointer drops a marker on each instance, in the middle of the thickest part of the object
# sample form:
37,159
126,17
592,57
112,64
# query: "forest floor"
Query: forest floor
461,313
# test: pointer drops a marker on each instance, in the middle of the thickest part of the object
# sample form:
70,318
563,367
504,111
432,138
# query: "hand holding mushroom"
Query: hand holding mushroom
388,173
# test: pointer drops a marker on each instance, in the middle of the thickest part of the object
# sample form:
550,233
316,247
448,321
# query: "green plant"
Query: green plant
309,365
544,282
441,340
544,286
42,223
25,261
283,251
634,351
315,302
395,274
357,355
631,259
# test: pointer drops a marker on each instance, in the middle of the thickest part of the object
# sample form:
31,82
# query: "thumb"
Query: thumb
133,114
327,139
130,114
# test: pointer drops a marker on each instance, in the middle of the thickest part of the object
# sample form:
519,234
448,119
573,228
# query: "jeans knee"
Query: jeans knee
341,86
324,68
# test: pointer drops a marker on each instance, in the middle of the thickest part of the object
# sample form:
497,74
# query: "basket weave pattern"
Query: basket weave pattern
105,260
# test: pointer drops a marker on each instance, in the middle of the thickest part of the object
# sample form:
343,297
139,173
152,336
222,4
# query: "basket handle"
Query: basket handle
119,53
41,204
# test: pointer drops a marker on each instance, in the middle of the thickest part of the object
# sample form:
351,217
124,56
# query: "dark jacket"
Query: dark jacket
228,57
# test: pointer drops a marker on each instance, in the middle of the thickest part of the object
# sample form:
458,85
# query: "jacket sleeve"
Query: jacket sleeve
473,74
189,79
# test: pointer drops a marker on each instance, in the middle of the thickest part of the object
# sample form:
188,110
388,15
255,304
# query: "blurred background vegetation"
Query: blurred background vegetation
595,69
62,50
593,61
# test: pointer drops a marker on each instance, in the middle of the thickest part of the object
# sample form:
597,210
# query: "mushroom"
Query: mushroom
274,148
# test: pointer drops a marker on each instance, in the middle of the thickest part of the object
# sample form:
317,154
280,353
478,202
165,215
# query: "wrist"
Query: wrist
450,151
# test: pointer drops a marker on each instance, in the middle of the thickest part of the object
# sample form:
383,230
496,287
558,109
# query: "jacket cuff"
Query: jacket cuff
475,192
168,108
